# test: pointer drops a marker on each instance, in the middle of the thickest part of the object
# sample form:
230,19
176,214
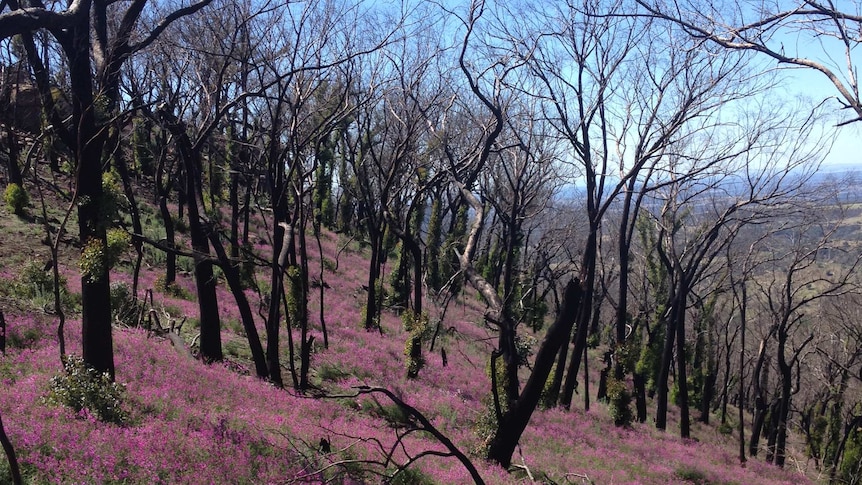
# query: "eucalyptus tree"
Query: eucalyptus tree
839,373
619,108
790,291
95,39
772,154
389,155
741,263
374,150
309,78
474,152
149,81
572,58
518,185
193,114
415,104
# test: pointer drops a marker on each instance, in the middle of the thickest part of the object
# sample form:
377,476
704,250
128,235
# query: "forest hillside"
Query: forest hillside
597,242
171,418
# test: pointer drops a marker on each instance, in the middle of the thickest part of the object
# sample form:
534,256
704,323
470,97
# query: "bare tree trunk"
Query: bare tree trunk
97,342
514,421
588,270
14,170
163,191
758,379
233,197
640,396
301,280
743,307
232,275
559,371
664,374
320,275
137,227
681,375
280,247
205,283
372,309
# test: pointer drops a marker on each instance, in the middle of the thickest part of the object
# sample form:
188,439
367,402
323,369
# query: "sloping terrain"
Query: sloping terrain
187,422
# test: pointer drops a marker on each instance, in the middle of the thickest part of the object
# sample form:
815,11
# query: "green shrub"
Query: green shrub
36,285
524,345
113,199
181,225
125,307
23,338
418,327
549,399
16,198
173,289
236,349
94,260
410,476
850,469
688,473
331,372
391,413
118,242
620,399
485,426
32,279
81,387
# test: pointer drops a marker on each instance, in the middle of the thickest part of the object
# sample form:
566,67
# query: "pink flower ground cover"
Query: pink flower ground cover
196,423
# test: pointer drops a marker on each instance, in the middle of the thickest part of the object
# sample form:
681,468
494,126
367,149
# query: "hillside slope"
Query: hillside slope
193,423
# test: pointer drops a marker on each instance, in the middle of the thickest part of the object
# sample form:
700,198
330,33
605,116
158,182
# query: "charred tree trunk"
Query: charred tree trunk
741,405
682,374
233,197
14,470
205,283
640,396
785,370
372,308
514,421
121,165
246,316
664,372
553,393
588,269
410,244
772,429
280,246
301,293
97,341
707,395
759,378
163,190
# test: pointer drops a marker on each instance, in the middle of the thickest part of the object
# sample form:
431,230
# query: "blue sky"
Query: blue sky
815,86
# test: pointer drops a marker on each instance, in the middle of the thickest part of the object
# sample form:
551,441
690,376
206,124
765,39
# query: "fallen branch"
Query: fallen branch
172,332
419,423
